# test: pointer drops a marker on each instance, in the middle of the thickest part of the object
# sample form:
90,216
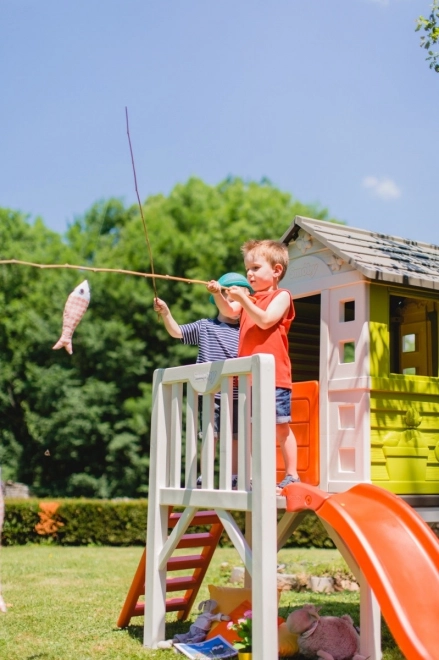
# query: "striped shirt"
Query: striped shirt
215,340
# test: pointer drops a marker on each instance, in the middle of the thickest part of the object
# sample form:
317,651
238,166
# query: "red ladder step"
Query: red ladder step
191,583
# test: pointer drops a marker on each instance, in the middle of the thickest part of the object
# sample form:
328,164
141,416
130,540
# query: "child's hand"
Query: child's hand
160,306
237,293
213,286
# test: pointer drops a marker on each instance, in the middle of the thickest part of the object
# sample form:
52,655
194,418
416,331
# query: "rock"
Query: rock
287,582
321,584
348,585
302,581
237,575
15,489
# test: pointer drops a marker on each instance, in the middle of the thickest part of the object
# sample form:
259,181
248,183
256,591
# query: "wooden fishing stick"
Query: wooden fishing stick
102,270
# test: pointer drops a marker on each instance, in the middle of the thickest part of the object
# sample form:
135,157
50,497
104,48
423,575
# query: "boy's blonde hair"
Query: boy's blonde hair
274,252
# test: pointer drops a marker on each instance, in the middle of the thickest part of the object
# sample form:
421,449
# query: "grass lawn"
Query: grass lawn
63,603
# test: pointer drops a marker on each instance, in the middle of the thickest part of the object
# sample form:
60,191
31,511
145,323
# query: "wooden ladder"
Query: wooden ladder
207,541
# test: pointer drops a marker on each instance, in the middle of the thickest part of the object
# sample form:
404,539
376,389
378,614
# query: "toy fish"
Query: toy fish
74,310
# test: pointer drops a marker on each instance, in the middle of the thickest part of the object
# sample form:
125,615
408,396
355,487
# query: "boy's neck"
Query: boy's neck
226,319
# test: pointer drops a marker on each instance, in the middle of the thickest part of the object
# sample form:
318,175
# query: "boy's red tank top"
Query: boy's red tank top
274,340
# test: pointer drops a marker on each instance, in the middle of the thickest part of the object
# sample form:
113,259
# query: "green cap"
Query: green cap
232,279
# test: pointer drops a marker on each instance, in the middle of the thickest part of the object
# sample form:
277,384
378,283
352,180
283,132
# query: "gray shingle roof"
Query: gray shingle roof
376,256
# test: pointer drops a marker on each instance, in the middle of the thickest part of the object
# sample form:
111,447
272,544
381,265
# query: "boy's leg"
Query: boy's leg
216,424
285,437
235,438
288,445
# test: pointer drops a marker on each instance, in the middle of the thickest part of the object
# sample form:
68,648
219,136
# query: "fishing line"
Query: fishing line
140,206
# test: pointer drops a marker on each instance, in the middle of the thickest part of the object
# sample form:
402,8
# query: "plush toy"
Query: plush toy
74,310
200,627
327,637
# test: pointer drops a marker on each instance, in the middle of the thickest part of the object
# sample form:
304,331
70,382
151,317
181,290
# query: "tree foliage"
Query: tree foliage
79,425
430,26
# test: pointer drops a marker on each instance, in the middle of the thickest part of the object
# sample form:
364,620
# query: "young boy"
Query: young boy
217,339
265,321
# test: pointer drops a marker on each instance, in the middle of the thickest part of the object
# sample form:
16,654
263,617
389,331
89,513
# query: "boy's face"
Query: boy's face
260,273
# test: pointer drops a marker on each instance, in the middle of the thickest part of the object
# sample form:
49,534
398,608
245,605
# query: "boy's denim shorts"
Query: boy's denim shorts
283,411
283,405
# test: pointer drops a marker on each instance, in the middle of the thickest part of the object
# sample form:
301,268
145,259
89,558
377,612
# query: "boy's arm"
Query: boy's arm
275,311
171,324
228,308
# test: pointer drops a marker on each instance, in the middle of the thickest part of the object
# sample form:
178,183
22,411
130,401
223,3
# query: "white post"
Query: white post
264,514
370,612
157,530
370,622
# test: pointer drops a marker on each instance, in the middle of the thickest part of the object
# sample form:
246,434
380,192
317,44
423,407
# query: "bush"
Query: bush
111,523
21,516
116,523
75,522
309,534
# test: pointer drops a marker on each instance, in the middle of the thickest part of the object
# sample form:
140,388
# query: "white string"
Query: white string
2,516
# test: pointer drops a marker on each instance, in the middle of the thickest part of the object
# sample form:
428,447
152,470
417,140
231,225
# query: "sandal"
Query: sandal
289,479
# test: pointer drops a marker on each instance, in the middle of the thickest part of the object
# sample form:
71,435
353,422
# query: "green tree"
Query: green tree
79,424
430,26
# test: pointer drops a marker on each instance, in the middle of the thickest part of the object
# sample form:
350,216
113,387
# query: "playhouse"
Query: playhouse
366,329
364,349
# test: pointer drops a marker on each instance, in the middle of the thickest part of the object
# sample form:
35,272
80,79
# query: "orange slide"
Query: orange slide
396,551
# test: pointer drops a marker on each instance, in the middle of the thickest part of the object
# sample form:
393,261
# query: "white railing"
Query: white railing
175,443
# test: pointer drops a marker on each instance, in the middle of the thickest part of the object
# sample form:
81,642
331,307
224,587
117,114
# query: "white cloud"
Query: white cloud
383,188
384,3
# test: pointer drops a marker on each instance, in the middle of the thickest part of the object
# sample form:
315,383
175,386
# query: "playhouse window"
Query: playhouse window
347,352
413,336
347,311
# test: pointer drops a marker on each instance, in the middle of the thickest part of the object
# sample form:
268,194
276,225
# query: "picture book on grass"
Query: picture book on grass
216,647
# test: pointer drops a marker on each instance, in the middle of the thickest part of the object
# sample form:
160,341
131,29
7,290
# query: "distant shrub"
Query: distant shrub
19,525
115,523
309,534
75,522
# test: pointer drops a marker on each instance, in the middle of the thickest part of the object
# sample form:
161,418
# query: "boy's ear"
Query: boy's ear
277,268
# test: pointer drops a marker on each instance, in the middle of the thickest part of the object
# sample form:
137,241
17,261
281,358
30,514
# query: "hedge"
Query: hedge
109,522
114,523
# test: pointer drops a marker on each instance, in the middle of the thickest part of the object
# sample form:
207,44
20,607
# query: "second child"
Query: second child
217,339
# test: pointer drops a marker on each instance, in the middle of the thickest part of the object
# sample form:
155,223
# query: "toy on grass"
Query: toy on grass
327,637
74,310
200,627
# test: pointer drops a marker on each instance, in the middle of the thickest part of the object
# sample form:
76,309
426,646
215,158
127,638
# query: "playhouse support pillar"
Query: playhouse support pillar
370,620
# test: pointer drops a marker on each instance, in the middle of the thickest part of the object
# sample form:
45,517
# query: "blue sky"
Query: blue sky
332,101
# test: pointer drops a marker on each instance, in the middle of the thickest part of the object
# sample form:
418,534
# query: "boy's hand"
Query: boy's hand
238,293
160,307
213,287
171,324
